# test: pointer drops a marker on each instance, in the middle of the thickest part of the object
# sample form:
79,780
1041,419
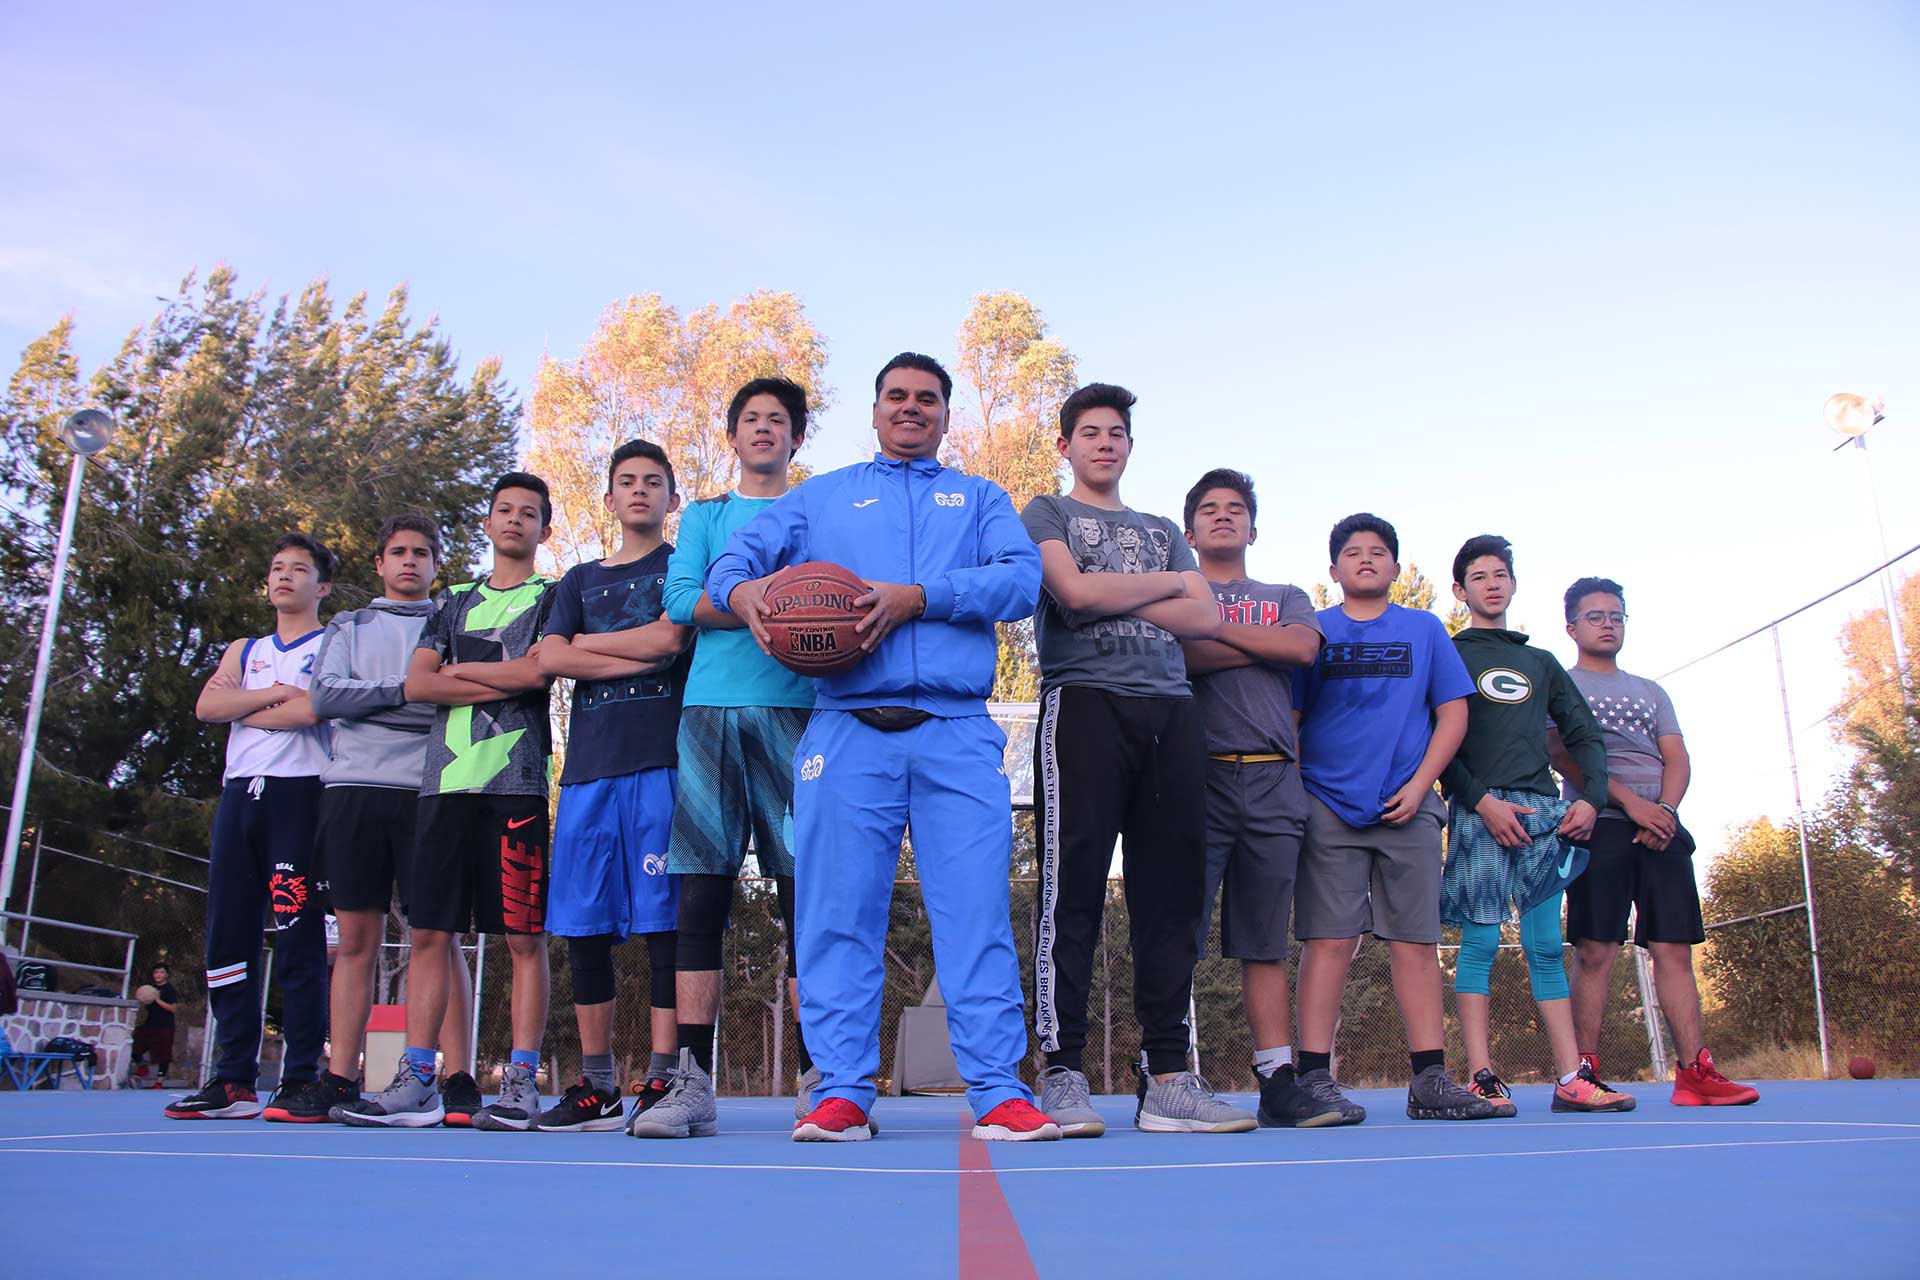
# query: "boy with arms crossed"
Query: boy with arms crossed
1512,842
741,722
616,791
262,846
1382,710
1642,856
1120,751
1256,807
480,848
364,841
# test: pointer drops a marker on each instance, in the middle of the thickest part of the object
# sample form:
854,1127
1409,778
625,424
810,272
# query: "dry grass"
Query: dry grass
1778,1062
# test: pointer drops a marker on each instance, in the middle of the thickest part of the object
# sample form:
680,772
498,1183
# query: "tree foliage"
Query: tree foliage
236,424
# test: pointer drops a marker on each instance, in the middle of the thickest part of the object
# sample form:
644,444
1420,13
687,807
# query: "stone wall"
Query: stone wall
102,1021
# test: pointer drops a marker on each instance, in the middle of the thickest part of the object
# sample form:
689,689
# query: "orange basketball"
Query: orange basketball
811,616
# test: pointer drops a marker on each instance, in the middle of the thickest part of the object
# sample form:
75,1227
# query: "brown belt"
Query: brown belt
1241,758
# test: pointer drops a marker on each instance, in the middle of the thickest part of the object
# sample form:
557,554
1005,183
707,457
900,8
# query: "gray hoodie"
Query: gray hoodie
359,678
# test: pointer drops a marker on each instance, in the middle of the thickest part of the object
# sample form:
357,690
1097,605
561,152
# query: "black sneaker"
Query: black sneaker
219,1100
645,1095
1433,1095
460,1097
308,1101
585,1108
1285,1105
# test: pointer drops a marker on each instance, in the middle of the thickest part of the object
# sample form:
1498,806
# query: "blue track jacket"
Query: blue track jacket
915,521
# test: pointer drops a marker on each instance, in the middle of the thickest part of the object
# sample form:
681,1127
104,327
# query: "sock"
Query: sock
1311,1061
528,1058
598,1069
806,1059
423,1061
1570,1076
1268,1061
662,1065
697,1038
1424,1058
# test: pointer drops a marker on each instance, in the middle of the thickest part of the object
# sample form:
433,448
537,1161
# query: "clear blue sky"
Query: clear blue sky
1582,277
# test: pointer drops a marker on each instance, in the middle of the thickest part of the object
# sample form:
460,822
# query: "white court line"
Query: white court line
951,1172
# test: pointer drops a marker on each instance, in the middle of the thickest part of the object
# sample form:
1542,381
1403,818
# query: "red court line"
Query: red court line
990,1242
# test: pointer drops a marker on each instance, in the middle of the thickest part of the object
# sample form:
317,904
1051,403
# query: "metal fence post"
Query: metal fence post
1650,1008
479,984
1806,862
33,885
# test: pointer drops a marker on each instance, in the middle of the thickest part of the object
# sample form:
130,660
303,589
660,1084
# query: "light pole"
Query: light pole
1853,416
86,433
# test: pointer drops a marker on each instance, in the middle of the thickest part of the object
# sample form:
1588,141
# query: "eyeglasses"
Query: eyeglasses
1594,617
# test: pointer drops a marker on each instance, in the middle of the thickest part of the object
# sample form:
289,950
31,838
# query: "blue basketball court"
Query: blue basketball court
1817,1179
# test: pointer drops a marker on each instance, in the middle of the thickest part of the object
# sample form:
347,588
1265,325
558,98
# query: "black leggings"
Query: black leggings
705,901
591,961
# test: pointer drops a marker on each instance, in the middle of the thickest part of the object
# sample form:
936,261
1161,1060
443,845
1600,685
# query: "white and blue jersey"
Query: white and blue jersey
277,753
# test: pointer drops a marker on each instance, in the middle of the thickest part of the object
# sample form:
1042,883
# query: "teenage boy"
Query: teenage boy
1120,752
1512,843
364,841
262,847
480,845
903,739
1642,857
1382,710
610,876
740,725
1256,807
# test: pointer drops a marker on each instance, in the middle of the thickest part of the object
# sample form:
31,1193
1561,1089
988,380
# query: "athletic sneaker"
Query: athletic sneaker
835,1120
460,1098
1435,1095
1586,1093
1700,1084
650,1091
584,1108
1285,1105
410,1102
1067,1098
219,1100
1184,1103
1319,1084
310,1101
1592,1060
1492,1089
686,1111
518,1105
1015,1120
803,1098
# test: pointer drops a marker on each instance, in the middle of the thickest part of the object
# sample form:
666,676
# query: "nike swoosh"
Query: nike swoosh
515,826
869,502
1566,863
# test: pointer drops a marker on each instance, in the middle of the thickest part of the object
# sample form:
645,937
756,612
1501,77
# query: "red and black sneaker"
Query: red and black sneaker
834,1120
585,1108
1015,1120
648,1092
459,1098
308,1101
220,1100
1593,1063
1700,1084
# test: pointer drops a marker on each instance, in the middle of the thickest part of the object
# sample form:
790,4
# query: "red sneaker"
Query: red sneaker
834,1120
1015,1120
1700,1084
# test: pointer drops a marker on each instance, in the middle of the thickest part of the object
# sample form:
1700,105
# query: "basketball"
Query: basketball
1860,1068
146,994
811,616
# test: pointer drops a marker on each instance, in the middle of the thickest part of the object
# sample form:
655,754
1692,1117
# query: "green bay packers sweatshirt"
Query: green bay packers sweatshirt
1517,690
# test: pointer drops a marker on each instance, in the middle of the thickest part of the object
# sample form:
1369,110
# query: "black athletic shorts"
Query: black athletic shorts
1623,875
363,846
480,863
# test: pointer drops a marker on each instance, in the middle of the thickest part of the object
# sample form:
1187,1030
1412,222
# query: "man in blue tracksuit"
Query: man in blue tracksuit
903,740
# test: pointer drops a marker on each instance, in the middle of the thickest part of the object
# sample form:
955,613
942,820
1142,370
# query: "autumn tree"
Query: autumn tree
648,372
1012,379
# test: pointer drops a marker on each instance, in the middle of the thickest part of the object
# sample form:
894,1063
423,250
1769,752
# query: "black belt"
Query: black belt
891,719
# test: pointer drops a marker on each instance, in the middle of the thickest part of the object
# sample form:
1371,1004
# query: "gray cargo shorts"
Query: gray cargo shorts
1381,880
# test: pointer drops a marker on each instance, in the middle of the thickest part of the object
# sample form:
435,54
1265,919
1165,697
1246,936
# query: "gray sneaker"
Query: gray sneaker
1435,1095
1186,1104
803,1100
687,1111
1067,1099
518,1106
1319,1083
410,1102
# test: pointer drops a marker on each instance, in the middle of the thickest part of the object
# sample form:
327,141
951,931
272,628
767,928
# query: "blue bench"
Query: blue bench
31,1070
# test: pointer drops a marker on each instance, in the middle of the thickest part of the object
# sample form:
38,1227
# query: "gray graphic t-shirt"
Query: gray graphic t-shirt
1118,652
1249,710
1634,714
